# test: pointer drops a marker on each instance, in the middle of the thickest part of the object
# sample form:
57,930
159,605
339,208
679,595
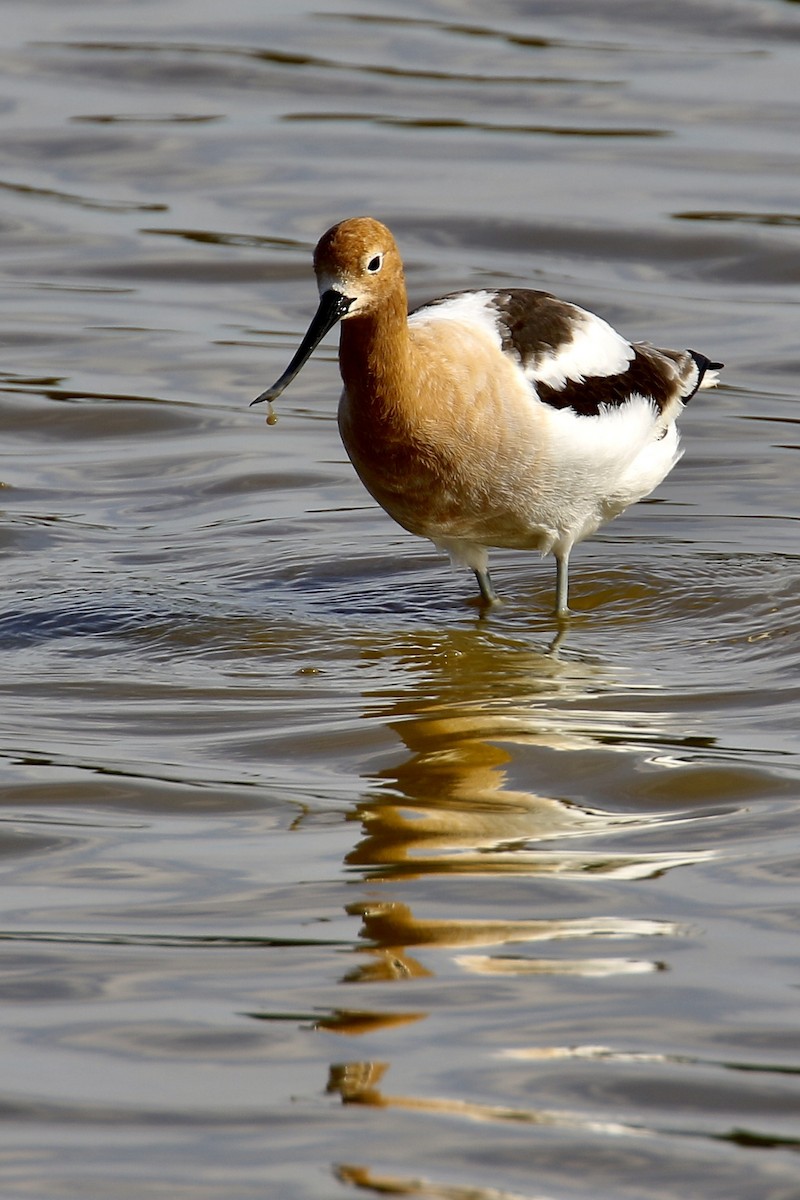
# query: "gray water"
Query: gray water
316,882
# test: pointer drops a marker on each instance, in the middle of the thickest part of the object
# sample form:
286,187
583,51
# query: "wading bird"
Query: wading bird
504,418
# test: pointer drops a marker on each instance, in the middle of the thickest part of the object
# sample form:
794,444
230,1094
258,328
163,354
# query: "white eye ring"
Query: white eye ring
375,263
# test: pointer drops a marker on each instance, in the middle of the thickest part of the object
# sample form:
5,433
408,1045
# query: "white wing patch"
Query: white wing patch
596,350
468,308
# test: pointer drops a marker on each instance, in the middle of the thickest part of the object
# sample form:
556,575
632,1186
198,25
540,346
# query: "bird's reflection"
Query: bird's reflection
473,722
362,1083
453,802
490,731
383,1183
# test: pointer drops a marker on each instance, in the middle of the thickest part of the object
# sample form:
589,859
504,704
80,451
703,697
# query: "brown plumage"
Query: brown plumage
491,418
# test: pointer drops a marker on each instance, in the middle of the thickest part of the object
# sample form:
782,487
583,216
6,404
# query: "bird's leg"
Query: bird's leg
562,585
488,594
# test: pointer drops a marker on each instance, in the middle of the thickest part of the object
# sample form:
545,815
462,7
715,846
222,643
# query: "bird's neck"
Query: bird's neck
375,357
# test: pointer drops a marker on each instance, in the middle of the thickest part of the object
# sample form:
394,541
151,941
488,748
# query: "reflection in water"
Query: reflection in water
473,722
599,968
355,1022
392,927
359,1083
383,1184
395,924
449,806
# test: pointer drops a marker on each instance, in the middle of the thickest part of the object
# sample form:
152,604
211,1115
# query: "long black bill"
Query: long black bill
332,307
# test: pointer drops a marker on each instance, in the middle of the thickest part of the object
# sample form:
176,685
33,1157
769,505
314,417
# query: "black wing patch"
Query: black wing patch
657,378
534,324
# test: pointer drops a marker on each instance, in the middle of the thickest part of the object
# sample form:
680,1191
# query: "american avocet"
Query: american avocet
501,418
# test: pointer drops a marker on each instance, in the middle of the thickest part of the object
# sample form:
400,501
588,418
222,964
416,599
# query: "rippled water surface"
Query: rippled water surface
317,883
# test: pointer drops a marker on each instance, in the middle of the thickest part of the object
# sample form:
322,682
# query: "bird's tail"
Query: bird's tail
708,371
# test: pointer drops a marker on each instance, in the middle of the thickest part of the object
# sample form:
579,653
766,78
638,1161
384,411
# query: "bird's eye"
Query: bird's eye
374,265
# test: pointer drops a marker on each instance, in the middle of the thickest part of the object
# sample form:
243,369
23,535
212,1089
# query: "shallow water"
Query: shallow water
316,882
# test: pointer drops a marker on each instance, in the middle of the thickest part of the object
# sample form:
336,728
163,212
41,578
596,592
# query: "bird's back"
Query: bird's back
524,422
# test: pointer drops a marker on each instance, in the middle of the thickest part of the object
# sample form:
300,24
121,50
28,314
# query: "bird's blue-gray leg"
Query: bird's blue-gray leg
488,594
562,584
